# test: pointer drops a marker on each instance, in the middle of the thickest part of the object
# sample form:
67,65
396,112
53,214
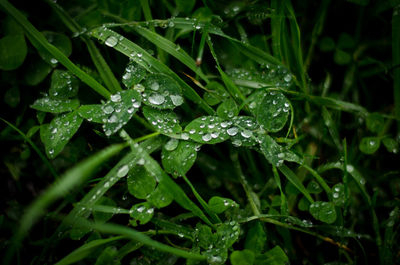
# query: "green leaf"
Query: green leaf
60,41
161,196
63,85
289,174
275,256
341,57
391,145
179,160
303,204
207,129
58,133
314,187
339,195
375,122
369,145
85,250
273,111
327,44
227,109
219,205
185,6
277,154
142,212
243,130
215,93
102,216
256,237
119,110
162,92
140,182
204,236
134,73
323,211
163,121
242,257
55,105
13,51
36,72
92,113
107,256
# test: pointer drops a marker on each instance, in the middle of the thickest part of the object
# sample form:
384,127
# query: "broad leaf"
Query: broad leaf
256,237
164,121
63,85
162,92
242,257
120,109
275,153
141,212
180,159
339,195
219,205
207,129
275,256
161,196
92,113
242,130
140,182
55,105
323,211
369,145
273,111
13,51
227,109
58,133
134,73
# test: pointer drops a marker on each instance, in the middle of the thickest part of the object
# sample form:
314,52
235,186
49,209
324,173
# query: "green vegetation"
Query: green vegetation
200,132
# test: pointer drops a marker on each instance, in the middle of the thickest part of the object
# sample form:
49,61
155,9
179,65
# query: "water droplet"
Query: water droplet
111,41
185,136
108,109
176,100
171,144
157,99
123,171
287,78
53,60
232,131
206,137
349,168
246,133
155,86
54,130
141,161
335,195
115,98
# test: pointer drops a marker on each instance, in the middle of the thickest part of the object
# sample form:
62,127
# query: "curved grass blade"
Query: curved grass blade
58,189
85,250
171,48
34,147
139,236
37,38
143,58
289,174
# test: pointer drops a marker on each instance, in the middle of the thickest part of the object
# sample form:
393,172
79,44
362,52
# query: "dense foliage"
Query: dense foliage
195,132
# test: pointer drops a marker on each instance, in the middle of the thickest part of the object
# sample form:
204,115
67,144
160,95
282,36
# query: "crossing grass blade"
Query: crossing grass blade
289,174
58,189
131,50
101,65
34,147
37,38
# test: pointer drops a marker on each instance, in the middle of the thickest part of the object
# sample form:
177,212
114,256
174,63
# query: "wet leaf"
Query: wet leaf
92,113
369,145
207,129
275,153
219,205
140,182
314,187
180,159
391,145
227,109
256,238
273,111
242,130
119,110
164,121
339,194
55,105
58,133
142,213
161,196
61,41
162,92
242,257
63,85
323,211
134,73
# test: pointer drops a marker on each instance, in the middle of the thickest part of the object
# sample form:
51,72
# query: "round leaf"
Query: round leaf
207,129
140,182
13,51
273,111
369,145
178,161
323,211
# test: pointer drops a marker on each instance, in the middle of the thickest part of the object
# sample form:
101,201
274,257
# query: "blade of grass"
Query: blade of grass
34,147
284,206
86,249
289,174
132,50
203,204
58,189
38,38
101,65
396,62
141,237
277,17
330,124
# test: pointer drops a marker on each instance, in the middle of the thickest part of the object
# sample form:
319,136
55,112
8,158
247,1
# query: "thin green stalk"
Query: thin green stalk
396,62
34,147
37,38
101,65
201,201
251,196
320,180
284,206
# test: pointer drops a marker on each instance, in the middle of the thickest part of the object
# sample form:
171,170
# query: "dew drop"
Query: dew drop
157,99
206,137
246,133
111,41
232,131
176,100
115,98
171,144
108,109
123,171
